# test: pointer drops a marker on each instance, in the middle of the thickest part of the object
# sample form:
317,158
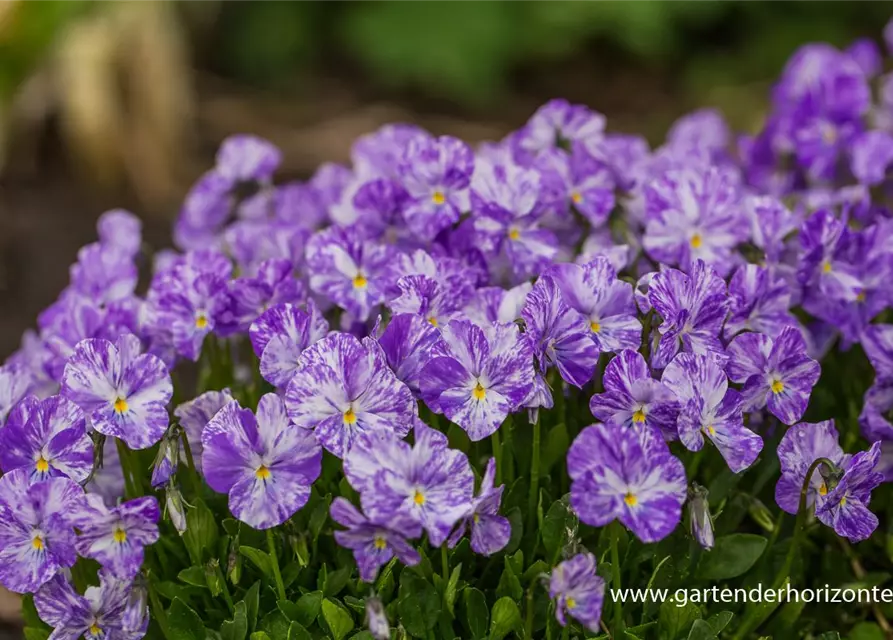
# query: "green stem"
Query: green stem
274,558
158,611
130,490
615,583
225,588
566,632
509,475
445,563
193,470
528,612
497,453
533,496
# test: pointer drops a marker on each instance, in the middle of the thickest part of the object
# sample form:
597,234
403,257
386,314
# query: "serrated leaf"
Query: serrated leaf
504,618
184,622
477,615
307,608
260,559
201,532
732,556
337,619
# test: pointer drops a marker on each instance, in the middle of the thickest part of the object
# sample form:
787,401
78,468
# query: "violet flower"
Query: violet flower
578,591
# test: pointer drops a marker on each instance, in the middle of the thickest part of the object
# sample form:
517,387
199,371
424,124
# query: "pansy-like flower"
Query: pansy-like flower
348,269
48,438
15,383
408,343
877,340
627,475
253,242
266,464
824,266
195,414
479,376
281,334
871,155
120,229
343,387
771,222
435,172
578,591
436,301
709,408
490,532
775,372
108,481
558,123
842,506
249,297
632,398
759,302
107,612
36,534
693,307
103,273
559,335
124,392
117,537
427,482
375,543
606,303
581,181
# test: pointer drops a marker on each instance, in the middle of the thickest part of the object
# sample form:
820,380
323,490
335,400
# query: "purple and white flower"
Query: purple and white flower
281,334
490,532
578,591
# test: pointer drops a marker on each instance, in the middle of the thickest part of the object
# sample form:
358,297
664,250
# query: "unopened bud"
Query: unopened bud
699,515
174,506
377,619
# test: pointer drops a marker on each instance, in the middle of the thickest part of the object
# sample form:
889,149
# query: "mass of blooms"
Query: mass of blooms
373,361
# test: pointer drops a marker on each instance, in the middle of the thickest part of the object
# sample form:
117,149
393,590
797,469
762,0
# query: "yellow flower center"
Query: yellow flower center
349,416
843,501
709,428
630,499
94,629
419,497
514,234
860,297
595,326
570,602
438,198
826,267
432,321
639,416
37,543
360,282
476,517
380,543
201,321
576,197
262,472
120,405
479,393
42,465
696,241
823,490
777,386
120,535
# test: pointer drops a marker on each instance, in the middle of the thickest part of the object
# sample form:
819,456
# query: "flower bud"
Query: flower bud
699,516
376,619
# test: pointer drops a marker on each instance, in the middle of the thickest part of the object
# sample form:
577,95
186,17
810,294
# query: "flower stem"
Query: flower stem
497,453
615,583
130,489
193,470
274,558
445,562
533,497
158,611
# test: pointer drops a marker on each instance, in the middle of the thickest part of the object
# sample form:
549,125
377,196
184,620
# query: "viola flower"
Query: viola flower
107,612
15,383
108,481
36,534
374,544
580,181
281,334
479,376
379,206
253,242
266,464
606,303
627,475
377,619
632,398
758,302
694,215
435,172
408,343
708,407
845,508
343,387
495,304
247,158
558,123
820,142
559,335
349,270
771,222
693,307
428,482
249,297
877,340
195,414
775,372
124,392
876,425
490,532
578,591
436,301
103,274
120,229
871,156
703,129
116,538
48,438
824,269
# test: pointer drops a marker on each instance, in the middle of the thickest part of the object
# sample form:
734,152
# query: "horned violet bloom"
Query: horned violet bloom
577,591
343,388
124,391
627,475
265,463
490,532
281,334
428,482
709,408
36,534
408,343
109,611
774,372
48,438
479,376
117,537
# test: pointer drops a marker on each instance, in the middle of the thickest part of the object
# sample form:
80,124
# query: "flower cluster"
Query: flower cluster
402,319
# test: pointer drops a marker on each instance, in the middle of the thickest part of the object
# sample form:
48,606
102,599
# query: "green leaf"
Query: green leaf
720,621
866,631
509,585
276,625
201,532
29,614
504,619
701,630
307,608
829,635
477,616
674,621
337,619
252,604
184,622
538,568
516,520
194,576
297,632
418,604
557,443
557,525
259,635
732,556
336,581
32,633
236,628
260,559
319,516
450,593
